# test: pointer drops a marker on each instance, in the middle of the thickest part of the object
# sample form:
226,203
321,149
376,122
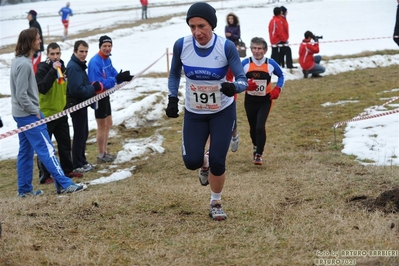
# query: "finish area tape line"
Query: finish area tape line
76,107
348,40
359,118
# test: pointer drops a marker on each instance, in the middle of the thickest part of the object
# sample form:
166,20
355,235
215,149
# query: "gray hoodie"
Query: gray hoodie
24,91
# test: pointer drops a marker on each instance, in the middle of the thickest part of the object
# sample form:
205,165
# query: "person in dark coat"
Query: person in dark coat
232,29
285,50
80,89
37,56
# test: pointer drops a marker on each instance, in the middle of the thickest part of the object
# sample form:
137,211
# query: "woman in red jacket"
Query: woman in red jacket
310,64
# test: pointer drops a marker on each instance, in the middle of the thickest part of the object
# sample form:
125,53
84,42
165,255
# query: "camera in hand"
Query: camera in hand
316,38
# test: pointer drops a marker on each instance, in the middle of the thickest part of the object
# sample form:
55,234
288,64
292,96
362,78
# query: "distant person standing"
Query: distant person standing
37,56
396,29
52,98
276,34
144,6
25,110
65,13
80,89
285,51
232,29
232,32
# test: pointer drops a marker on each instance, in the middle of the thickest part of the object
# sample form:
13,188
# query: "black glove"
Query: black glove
229,89
172,109
98,87
123,76
1,123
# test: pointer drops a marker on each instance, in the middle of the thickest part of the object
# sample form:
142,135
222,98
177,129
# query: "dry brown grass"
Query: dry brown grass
301,201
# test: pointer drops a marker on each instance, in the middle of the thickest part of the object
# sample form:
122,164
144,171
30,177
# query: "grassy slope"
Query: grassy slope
278,214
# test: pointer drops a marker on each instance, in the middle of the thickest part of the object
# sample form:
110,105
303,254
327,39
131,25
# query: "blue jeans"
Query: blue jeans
36,140
317,69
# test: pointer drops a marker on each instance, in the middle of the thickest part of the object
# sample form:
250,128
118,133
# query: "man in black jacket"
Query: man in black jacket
37,57
80,89
52,84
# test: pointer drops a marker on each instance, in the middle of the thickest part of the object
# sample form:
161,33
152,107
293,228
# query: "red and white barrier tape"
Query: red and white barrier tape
388,102
359,118
348,40
75,107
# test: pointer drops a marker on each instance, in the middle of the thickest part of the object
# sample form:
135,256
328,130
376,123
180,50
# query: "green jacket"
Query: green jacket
52,96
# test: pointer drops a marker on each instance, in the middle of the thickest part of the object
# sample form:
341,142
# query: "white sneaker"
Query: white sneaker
204,172
74,188
216,212
85,168
234,143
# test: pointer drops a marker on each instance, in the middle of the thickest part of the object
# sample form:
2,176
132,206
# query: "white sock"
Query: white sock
216,196
207,162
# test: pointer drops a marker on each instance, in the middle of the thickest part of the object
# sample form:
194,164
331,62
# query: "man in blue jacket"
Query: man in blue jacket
101,69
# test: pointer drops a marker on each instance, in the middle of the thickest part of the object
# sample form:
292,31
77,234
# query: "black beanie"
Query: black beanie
203,10
283,8
104,39
277,11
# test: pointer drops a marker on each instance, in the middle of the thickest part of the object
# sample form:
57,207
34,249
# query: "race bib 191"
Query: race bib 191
205,97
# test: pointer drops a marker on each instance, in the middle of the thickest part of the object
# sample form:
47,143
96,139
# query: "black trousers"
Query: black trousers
81,132
396,40
276,54
60,129
257,109
285,51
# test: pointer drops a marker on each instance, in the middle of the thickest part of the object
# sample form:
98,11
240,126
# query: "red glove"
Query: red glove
98,87
275,93
252,85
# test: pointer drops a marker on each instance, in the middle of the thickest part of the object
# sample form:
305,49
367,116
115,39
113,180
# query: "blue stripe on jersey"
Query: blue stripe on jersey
208,64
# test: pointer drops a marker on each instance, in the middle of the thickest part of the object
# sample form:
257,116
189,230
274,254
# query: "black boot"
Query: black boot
316,75
43,173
